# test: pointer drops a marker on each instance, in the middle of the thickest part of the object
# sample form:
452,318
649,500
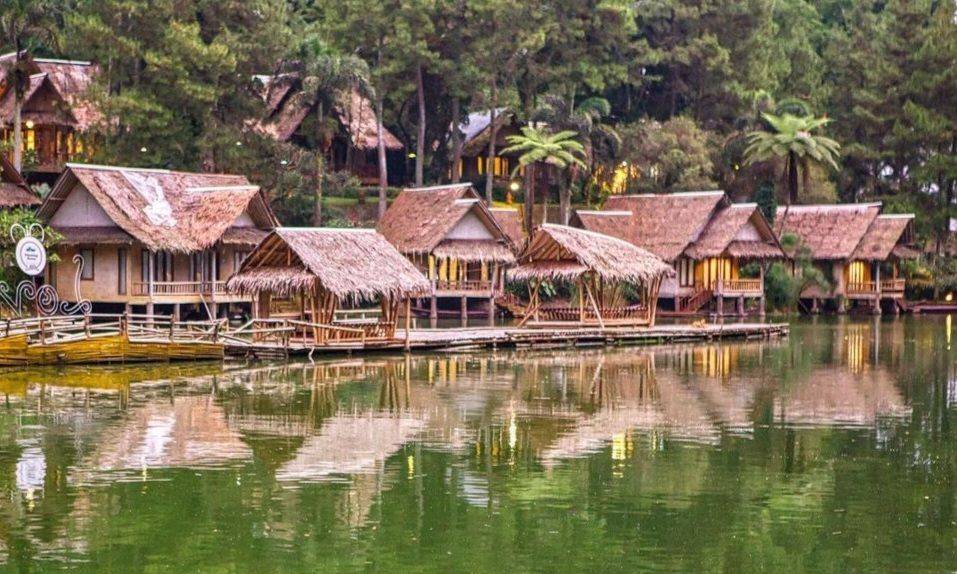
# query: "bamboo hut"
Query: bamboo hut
707,239
353,144
153,238
312,271
55,113
857,248
449,233
599,265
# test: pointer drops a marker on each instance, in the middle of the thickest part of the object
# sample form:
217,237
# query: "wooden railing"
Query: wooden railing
46,330
861,288
740,286
283,332
465,285
142,288
607,314
893,285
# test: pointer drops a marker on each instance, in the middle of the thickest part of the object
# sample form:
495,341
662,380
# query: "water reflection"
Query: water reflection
610,430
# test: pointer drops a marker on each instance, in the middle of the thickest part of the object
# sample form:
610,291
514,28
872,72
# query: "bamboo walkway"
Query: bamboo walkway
514,337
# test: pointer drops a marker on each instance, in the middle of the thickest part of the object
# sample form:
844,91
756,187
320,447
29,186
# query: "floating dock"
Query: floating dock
515,337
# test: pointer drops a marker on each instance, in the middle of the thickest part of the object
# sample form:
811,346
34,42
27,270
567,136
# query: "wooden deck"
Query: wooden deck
513,337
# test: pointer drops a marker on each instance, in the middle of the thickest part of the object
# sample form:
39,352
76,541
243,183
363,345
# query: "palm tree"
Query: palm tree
600,140
23,24
561,150
791,138
329,80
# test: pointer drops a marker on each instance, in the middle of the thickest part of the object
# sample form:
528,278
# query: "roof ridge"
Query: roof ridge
606,211
59,61
337,229
440,186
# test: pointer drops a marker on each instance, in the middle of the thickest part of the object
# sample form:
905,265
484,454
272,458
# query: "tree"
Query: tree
561,114
791,139
561,150
26,25
330,78
663,157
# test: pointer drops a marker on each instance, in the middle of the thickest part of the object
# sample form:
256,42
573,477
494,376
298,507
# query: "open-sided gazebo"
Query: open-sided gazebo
310,271
600,266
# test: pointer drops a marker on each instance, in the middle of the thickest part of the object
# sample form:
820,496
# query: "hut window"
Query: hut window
29,140
685,272
145,265
238,258
52,270
121,271
88,262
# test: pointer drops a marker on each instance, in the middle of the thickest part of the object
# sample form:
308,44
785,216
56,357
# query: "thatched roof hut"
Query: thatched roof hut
56,93
14,191
593,260
287,106
561,252
167,210
697,225
357,264
445,221
846,232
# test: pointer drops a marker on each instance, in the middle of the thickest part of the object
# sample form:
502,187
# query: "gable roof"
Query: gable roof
354,263
420,219
165,210
884,238
14,191
830,232
722,235
67,81
287,106
559,251
664,224
510,220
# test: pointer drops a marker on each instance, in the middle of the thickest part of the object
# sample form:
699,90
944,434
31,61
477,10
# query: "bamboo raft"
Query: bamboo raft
107,339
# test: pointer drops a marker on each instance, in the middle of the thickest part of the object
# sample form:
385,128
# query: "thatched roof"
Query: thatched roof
165,210
421,219
831,232
349,263
14,191
561,252
243,236
56,94
510,220
94,236
694,224
665,225
739,230
476,130
884,238
287,106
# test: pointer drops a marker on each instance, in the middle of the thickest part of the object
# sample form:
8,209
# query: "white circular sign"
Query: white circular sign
31,256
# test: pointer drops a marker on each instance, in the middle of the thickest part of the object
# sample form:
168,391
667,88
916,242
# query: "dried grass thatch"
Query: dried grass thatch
665,225
510,220
94,236
561,252
243,236
883,237
288,106
420,219
165,210
474,250
56,94
14,191
356,264
830,232
693,224
739,230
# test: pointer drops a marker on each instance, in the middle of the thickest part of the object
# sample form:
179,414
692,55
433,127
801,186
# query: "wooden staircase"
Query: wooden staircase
695,301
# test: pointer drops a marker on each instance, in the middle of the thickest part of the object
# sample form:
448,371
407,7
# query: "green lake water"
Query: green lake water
830,451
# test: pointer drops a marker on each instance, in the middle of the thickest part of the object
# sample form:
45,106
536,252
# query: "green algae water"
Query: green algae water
831,451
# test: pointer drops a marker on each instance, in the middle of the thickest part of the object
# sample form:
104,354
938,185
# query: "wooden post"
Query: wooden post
408,321
581,300
464,312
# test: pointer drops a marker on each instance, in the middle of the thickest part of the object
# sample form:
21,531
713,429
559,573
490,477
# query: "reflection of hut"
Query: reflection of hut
841,397
319,268
350,445
188,431
599,265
